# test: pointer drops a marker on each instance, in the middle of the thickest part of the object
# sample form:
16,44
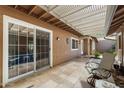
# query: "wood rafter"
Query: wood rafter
118,18
61,24
47,12
118,22
16,6
119,12
32,9
66,27
58,22
42,15
115,26
51,19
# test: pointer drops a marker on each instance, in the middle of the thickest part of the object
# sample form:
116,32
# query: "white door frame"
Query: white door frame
82,47
6,20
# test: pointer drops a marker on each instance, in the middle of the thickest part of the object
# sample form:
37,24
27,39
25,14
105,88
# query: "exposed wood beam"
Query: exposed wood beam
66,27
42,15
119,12
115,26
47,12
32,9
20,8
118,22
118,18
51,19
16,6
112,30
25,11
57,22
61,24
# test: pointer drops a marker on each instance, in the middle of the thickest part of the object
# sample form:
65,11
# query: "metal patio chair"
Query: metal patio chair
104,69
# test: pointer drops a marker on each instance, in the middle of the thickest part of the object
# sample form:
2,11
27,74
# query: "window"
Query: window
74,44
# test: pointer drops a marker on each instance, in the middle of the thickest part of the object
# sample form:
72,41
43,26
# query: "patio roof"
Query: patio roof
90,20
85,19
117,21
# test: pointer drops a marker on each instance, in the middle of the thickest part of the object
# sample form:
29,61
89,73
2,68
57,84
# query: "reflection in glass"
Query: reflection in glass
23,64
42,49
13,66
21,50
30,49
23,57
13,29
13,39
13,50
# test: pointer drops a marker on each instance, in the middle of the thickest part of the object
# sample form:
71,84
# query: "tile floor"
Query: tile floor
71,74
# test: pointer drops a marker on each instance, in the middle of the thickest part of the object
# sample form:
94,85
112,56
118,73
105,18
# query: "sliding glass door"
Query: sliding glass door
42,49
21,50
28,50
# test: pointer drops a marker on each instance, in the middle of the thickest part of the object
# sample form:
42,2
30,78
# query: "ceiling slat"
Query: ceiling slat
81,17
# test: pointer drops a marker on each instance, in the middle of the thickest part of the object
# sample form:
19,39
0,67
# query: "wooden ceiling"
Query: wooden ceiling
117,20
39,13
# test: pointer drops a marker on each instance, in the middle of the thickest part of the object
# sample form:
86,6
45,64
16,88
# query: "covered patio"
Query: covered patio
49,46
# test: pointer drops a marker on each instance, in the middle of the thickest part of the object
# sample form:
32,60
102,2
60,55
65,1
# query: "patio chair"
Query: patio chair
104,69
92,64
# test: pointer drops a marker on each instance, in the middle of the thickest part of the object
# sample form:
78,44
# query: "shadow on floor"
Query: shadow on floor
84,84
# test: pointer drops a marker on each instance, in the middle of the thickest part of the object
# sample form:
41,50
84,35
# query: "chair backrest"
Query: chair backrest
107,61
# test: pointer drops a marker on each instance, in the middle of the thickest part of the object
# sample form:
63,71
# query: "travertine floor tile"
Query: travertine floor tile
68,75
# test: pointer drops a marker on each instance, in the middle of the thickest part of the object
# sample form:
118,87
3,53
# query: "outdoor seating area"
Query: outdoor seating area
101,72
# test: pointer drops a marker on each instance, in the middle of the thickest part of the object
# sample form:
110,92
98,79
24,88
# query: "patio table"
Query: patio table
104,84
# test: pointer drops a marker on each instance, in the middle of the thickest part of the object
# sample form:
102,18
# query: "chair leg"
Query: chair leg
91,80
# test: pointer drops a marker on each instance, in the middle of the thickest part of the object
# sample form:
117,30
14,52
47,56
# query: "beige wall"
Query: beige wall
61,51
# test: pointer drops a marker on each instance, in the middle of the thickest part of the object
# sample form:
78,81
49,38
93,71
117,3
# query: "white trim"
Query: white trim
72,38
82,43
93,45
5,51
6,20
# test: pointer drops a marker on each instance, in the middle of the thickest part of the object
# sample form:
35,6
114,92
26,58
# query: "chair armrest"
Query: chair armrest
103,73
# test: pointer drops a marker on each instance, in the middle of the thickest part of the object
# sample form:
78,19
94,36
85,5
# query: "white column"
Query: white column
88,46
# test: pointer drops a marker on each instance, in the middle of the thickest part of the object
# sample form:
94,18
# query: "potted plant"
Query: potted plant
97,54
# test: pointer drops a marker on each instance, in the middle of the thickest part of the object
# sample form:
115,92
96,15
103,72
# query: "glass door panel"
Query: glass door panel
30,49
13,50
23,45
21,50
42,49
